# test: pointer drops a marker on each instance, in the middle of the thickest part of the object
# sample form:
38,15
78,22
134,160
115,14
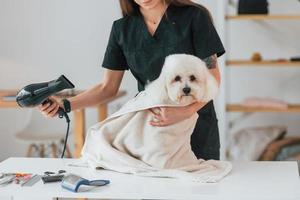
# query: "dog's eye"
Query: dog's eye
192,78
177,78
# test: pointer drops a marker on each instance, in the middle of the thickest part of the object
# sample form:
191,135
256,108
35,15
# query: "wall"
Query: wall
39,40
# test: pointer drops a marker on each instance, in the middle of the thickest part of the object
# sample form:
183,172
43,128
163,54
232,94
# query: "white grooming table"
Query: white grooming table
249,180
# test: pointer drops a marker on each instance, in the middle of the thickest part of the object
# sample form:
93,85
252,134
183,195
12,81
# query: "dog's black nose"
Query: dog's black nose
186,90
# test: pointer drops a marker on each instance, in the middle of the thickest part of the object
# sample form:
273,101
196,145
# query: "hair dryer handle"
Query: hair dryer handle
61,112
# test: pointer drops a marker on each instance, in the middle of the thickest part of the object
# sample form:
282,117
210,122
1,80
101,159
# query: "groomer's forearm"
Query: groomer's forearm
91,97
212,64
216,74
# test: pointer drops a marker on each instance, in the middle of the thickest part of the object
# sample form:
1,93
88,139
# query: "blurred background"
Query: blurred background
258,106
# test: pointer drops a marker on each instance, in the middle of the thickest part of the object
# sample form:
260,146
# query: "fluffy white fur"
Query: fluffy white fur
184,72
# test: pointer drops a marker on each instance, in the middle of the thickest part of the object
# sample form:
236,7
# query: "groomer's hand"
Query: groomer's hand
50,109
164,116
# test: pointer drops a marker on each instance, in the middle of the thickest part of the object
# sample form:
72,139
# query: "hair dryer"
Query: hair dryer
35,94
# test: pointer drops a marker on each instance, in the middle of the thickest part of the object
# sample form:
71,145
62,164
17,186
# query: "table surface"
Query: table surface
248,180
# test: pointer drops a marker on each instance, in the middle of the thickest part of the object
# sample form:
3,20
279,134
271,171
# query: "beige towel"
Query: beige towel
125,142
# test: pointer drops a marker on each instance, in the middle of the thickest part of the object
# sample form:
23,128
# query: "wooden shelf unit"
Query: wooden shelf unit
264,63
263,17
292,108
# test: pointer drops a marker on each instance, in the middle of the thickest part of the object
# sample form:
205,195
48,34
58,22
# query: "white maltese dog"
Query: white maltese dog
127,139
184,79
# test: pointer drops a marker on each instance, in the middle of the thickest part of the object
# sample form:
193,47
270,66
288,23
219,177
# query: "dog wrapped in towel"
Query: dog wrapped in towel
126,142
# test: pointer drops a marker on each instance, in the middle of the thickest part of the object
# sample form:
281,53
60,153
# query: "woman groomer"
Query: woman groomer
149,31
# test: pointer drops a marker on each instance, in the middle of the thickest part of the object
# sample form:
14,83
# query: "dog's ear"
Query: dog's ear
158,89
162,87
211,87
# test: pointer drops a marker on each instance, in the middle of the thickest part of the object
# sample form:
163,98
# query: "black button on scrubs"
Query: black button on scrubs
184,29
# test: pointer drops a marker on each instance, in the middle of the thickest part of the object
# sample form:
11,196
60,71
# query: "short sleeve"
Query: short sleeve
205,37
114,58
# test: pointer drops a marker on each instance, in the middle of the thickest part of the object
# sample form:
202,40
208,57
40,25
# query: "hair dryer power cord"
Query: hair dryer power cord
67,133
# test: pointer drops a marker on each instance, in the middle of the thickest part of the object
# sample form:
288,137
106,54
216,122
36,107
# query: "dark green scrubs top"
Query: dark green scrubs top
184,29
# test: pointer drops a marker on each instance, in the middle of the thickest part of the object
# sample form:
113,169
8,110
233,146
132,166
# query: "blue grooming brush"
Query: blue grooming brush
72,182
